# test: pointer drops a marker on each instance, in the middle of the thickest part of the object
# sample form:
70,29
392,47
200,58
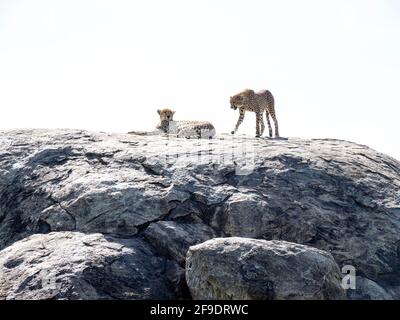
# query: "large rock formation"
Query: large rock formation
72,265
247,269
172,193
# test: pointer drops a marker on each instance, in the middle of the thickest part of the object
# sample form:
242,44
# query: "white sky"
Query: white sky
333,66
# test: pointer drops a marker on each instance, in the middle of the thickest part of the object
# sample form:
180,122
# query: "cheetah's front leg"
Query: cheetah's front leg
240,120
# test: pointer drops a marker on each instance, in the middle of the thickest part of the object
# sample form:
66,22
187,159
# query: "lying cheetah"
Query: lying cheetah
257,102
186,129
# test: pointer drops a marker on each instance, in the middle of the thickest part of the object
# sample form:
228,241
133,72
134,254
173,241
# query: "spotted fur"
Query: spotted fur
257,102
187,129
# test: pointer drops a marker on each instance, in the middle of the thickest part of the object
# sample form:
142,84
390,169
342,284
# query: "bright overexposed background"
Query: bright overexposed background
333,66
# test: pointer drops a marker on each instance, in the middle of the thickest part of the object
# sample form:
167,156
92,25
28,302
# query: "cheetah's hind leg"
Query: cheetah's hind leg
269,123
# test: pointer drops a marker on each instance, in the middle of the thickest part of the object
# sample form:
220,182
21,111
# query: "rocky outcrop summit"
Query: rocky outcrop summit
76,206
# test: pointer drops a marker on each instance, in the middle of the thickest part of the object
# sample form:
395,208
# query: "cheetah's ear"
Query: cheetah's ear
173,112
158,111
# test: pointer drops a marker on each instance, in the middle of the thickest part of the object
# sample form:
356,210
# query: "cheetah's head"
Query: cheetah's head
236,101
166,114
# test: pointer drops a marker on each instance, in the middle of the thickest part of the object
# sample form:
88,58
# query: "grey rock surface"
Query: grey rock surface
366,289
247,269
175,238
334,195
72,265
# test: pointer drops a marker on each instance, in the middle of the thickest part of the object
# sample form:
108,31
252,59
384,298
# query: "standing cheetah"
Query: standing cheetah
257,102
